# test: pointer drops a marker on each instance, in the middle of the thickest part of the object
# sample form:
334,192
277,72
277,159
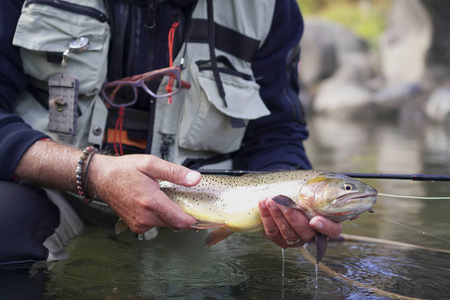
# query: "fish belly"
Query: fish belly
231,201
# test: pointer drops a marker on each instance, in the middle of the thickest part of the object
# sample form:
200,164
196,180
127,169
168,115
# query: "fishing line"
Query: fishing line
409,227
412,228
355,238
414,197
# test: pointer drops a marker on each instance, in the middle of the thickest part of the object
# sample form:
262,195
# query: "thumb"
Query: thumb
325,226
160,169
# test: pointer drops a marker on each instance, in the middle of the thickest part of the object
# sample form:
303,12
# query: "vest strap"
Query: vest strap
197,163
226,40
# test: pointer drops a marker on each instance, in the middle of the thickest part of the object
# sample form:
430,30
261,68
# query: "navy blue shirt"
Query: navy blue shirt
272,142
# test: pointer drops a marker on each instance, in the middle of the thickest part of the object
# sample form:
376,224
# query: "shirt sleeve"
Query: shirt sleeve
275,142
15,136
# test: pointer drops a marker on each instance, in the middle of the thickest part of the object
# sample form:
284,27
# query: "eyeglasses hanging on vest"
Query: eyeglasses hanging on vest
124,92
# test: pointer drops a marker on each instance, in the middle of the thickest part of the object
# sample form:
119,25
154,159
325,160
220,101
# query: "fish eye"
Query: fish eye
348,186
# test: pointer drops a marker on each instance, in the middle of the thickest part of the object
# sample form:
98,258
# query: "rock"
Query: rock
438,56
405,43
437,107
338,96
356,67
393,96
318,55
335,67
326,47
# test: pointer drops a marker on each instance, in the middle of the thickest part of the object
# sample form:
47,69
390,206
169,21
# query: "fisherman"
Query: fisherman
204,84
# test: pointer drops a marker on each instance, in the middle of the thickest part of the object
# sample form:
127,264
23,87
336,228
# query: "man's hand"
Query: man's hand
288,227
129,184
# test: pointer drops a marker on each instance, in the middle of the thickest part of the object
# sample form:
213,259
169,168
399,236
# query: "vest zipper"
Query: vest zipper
73,8
150,19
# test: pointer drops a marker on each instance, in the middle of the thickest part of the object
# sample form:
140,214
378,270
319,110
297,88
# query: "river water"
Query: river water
175,265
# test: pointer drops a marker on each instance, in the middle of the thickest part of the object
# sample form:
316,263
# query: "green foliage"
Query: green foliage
309,7
367,18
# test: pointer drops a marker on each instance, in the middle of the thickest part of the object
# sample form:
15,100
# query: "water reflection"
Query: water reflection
392,268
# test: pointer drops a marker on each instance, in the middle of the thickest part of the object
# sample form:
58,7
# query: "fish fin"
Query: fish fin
286,201
206,225
120,227
321,246
216,236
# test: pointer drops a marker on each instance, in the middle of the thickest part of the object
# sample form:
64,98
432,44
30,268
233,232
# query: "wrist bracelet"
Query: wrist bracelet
86,172
87,154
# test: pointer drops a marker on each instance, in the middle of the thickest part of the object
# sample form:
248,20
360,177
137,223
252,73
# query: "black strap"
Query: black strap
196,163
226,40
212,53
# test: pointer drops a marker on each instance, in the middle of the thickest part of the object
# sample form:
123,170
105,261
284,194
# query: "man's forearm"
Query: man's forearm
49,164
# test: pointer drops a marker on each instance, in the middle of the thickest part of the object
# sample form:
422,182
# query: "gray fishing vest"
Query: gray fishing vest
43,33
198,121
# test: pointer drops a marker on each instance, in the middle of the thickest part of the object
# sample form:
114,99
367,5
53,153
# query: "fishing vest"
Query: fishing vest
43,33
200,123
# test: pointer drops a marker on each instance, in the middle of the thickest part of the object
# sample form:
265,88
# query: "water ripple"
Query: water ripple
410,272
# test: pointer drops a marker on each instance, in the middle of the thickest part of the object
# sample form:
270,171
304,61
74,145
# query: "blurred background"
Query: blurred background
382,53
375,84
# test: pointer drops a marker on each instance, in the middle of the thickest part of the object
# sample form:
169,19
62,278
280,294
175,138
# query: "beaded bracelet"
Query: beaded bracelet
87,153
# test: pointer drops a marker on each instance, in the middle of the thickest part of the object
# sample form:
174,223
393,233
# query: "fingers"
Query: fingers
291,223
169,214
158,210
325,226
284,226
288,227
270,226
160,169
129,184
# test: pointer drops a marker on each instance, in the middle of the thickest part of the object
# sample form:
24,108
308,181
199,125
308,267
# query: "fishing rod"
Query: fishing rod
413,177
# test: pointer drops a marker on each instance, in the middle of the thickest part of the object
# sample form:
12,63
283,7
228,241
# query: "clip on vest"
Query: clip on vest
63,93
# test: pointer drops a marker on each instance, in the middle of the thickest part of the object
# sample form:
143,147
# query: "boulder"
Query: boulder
341,96
334,68
437,107
438,55
393,96
405,43
326,47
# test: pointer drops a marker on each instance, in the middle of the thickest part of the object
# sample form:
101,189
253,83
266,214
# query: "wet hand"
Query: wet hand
288,227
129,184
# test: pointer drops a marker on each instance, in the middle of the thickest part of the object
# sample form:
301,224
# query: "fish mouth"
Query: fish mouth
350,208
355,198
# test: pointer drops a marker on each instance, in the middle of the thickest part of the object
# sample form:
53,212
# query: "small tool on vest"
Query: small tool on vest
63,93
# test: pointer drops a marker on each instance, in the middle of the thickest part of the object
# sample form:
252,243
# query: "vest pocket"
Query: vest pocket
44,31
205,123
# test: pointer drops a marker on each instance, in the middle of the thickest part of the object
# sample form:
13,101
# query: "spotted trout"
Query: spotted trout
230,203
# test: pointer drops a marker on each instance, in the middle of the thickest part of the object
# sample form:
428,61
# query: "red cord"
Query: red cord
170,41
118,129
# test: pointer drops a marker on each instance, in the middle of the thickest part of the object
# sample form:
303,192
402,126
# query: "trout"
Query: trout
230,203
